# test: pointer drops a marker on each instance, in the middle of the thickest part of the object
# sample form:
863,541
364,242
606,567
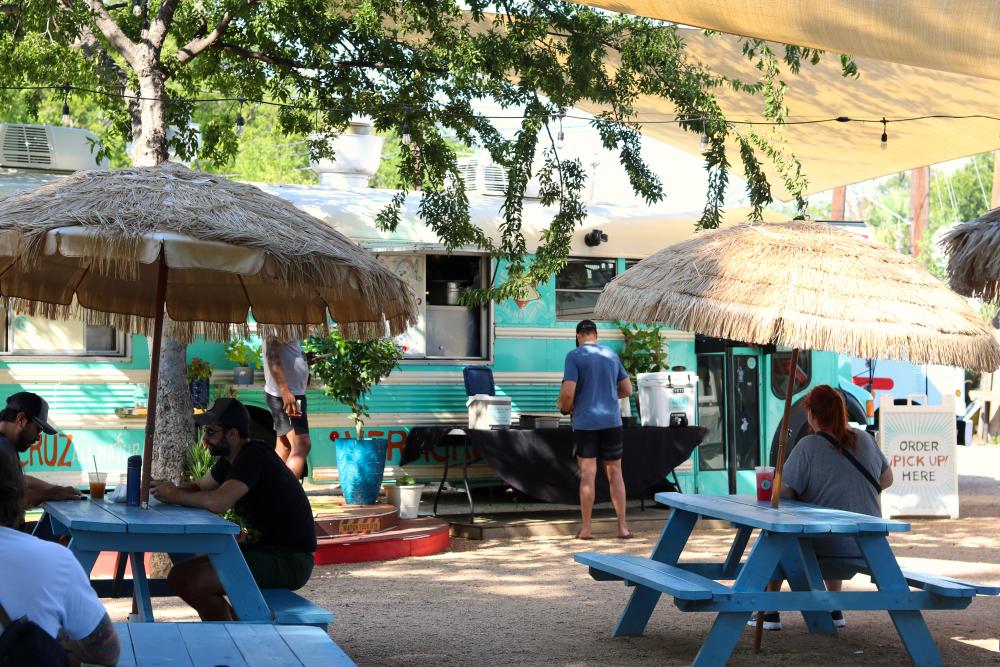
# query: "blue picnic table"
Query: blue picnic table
229,644
784,544
96,526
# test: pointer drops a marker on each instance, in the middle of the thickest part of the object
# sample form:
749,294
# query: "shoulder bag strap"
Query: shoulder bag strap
856,463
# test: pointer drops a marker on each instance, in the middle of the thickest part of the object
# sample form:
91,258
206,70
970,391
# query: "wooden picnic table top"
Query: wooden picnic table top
230,644
108,517
791,517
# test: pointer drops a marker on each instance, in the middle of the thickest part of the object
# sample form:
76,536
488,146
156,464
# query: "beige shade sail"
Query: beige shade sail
839,153
88,245
973,250
947,35
803,285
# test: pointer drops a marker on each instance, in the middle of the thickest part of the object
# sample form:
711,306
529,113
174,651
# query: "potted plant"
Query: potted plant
350,369
246,355
642,352
405,495
199,377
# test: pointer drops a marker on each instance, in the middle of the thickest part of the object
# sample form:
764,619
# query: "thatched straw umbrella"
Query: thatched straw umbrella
805,285
973,250
123,248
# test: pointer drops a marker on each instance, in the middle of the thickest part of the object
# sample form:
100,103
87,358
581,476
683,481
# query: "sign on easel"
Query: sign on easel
919,442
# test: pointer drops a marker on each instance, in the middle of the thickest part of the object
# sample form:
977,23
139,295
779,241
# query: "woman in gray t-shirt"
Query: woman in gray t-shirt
819,473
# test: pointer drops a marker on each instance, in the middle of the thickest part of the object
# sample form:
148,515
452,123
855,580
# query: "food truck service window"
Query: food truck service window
579,285
37,336
445,328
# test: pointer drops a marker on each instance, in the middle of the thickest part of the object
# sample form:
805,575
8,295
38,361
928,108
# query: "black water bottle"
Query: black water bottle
132,483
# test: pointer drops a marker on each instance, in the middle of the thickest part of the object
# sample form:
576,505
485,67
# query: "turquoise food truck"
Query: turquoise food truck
95,378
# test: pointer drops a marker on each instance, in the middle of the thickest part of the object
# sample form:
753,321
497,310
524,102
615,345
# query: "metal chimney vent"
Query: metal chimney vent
26,146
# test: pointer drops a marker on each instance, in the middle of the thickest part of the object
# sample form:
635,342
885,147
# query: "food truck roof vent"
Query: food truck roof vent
47,148
358,153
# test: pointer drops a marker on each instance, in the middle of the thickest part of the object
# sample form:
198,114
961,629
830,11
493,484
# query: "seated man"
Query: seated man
21,422
44,582
250,478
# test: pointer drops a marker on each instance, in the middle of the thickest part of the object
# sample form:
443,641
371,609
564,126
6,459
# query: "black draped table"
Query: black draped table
540,463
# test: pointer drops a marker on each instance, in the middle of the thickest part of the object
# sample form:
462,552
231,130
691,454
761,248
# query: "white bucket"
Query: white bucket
406,498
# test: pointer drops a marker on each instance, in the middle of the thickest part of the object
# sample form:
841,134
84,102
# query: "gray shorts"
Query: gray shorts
282,422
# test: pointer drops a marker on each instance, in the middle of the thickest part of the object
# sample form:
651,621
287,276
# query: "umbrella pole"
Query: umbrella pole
776,487
154,374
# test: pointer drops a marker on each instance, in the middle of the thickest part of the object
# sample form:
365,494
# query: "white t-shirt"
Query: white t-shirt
44,581
293,364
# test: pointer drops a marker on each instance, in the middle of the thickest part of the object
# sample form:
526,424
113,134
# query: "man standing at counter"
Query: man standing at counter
593,381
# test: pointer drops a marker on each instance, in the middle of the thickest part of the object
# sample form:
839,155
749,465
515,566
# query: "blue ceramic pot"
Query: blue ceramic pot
360,464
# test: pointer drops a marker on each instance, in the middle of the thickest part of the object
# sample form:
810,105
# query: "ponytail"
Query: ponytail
829,411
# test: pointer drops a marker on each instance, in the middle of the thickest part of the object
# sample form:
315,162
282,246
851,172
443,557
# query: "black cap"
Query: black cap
586,326
34,406
227,412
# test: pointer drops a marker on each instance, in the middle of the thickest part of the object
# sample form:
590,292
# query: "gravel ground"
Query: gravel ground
525,601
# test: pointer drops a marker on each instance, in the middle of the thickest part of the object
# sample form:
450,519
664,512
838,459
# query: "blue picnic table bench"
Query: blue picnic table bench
784,546
229,644
181,532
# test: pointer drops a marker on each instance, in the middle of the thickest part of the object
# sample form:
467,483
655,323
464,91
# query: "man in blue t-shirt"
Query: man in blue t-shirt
593,381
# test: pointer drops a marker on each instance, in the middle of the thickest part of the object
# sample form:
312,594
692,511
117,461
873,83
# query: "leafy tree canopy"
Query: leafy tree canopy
406,64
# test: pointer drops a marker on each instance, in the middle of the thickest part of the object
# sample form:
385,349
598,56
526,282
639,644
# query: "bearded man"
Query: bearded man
22,421
255,483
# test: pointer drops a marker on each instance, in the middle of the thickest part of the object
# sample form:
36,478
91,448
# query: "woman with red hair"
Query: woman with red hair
838,467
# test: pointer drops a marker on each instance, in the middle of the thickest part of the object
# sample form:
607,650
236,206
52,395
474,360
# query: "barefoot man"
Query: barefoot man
593,381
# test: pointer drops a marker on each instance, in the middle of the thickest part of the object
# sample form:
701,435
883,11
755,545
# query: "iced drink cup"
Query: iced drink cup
98,484
765,482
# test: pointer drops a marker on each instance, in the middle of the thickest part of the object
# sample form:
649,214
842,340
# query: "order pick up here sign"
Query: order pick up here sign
919,442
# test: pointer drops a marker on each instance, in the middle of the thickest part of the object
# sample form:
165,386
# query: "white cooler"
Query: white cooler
665,394
487,411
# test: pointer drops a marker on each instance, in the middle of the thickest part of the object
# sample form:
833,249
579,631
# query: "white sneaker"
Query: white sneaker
772,620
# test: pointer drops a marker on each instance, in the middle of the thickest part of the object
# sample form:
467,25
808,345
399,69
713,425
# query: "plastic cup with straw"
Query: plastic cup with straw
98,482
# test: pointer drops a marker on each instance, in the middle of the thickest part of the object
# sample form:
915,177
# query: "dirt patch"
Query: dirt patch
525,602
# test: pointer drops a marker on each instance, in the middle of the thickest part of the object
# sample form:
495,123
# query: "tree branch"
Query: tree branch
189,51
161,24
261,56
102,19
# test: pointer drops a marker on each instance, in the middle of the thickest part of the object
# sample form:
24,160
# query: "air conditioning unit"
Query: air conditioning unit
484,176
48,148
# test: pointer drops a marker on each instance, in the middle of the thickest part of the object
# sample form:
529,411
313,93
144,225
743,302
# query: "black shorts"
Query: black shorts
274,567
282,422
607,442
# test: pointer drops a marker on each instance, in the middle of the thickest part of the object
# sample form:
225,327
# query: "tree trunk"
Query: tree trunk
174,420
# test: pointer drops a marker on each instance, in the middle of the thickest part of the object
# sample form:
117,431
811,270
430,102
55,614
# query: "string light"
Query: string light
240,122
885,136
67,120
404,135
137,8
638,119
561,137
704,136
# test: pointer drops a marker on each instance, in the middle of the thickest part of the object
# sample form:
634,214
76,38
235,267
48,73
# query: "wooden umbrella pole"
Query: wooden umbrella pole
776,486
154,374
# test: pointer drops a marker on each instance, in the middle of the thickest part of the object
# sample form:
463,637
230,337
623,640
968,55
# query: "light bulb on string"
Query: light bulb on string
137,8
704,136
405,136
67,120
885,136
561,137
240,122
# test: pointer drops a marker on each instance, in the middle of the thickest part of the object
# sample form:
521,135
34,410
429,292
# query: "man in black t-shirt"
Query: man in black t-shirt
250,478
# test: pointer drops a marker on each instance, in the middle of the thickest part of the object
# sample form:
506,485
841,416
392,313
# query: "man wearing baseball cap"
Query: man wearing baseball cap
250,478
22,421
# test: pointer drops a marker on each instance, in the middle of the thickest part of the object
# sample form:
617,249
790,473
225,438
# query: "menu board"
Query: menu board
919,442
